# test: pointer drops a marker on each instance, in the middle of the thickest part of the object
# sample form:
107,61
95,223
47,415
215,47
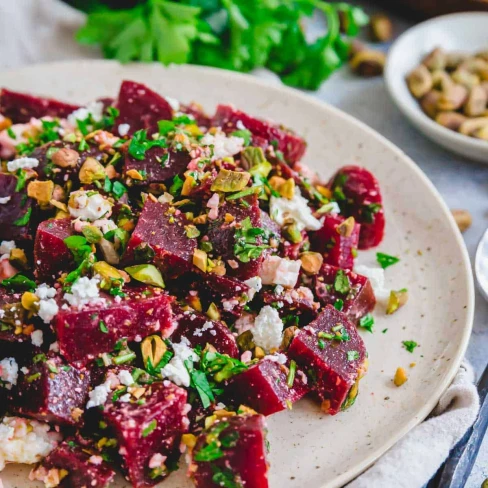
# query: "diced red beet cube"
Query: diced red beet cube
13,213
292,146
200,331
159,164
221,235
242,439
164,231
85,469
149,433
363,201
141,108
293,304
85,333
51,255
332,354
21,107
52,391
264,388
358,300
337,249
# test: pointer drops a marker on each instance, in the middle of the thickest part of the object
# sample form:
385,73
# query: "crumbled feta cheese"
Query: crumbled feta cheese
280,271
48,309
175,104
166,198
9,371
44,291
85,291
206,326
6,247
93,110
37,338
90,206
54,347
223,146
176,370
277,358
4,200
22,163
297,209
157,461
377,278
25,441
2,313
124,129
267,329
125,378
98,396
125,398
255,284
240,125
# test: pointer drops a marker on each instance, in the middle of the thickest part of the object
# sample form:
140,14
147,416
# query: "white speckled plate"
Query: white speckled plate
309,448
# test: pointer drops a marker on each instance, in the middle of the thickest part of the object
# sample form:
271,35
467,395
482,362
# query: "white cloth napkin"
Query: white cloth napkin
42,30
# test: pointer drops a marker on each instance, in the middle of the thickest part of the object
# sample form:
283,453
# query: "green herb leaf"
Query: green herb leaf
352,355
24,220
199,381
19,282
386,260
367,322
139,144
79,247
291,374
410,345
103,327
246,245
210,452
149,428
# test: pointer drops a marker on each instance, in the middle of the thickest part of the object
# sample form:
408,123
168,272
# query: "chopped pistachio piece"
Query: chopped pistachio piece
346,228
400,377
146,273
91,170
213,312
397,299
200,259
287,189
30,301
92,234
311,262
230,181
42,191
153,349
110,276
18,259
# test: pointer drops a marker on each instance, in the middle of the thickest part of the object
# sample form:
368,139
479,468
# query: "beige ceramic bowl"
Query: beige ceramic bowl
309,448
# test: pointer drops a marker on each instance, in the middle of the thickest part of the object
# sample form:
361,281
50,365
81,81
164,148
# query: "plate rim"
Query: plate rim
417,117
282,90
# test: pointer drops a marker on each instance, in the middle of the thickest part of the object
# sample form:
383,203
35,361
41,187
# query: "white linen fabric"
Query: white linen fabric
35,31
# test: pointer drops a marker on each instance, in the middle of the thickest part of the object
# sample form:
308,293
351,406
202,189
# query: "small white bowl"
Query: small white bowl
466,32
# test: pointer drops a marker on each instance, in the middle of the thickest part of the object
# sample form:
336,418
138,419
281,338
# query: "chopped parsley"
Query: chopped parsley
367,322
210,452
291,374
410,345
139,144
246,245
24,220
103,327
385,260
19,282
199,381
339,304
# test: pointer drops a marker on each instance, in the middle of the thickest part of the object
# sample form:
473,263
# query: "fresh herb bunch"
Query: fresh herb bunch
238,35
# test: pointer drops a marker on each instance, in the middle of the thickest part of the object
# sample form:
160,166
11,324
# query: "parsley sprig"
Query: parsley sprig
246,245
240,35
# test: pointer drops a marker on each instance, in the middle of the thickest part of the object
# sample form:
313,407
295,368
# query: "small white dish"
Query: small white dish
467,32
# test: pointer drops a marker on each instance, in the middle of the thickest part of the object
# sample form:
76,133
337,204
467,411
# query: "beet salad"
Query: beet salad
167,280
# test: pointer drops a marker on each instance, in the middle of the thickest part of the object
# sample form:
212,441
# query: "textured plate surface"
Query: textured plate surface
307,447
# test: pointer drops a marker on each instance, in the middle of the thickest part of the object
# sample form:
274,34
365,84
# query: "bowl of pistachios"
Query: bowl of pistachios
437,74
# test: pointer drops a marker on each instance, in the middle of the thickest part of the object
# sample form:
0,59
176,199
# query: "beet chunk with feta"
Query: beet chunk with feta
84,333
15,214
75,467
162,229
200,331
51,255
292,146
240,442
141,108
21,107
149,431
264,387
159,165
358,194
223,235
52,391
332,354
294,305
335,242
332,284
